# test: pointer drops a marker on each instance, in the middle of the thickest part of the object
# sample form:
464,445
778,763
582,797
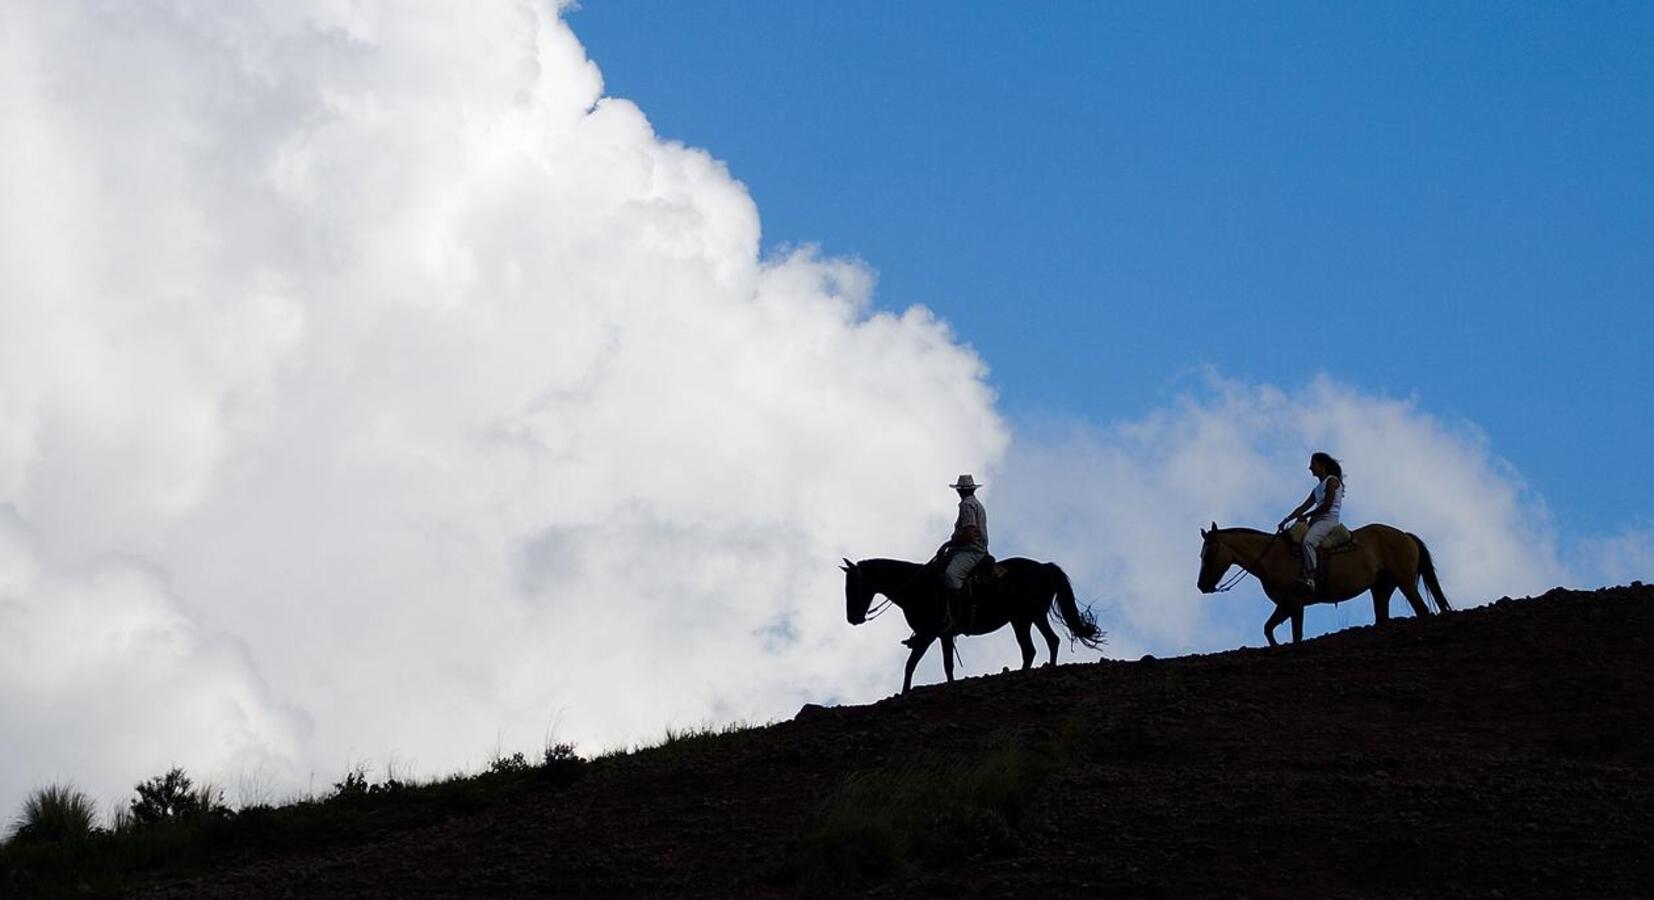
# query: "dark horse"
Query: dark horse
1021,598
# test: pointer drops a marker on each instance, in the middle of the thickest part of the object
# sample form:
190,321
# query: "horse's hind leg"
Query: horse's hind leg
1045,628
1026,642
1410,590
1382,589
1297,624
947,656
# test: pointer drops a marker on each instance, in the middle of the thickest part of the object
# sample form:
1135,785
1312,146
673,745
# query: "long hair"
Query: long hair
1327,462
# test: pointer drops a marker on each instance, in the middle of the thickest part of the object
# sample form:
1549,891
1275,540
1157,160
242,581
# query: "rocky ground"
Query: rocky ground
1499,752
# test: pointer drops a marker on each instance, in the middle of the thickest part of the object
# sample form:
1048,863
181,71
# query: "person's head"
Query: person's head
1322,464
966,485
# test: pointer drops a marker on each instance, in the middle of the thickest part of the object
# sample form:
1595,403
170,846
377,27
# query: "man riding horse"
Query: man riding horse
966,547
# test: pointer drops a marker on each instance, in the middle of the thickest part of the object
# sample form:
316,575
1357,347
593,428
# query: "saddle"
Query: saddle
980,576
982,573
1338,540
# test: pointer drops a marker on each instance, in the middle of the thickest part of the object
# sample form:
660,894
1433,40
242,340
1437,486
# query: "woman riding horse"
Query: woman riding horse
1383,559
1320,509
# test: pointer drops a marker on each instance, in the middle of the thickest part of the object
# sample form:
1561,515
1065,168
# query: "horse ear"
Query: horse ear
1214,526
848,565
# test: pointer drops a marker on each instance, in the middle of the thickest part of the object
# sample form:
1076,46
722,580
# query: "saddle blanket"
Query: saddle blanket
1338,540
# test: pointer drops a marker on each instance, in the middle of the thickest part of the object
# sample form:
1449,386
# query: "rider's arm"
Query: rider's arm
1299,512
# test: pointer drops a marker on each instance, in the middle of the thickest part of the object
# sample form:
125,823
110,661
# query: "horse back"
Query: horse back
1388,545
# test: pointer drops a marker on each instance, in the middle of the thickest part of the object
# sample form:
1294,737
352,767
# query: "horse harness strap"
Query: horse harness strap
1244,571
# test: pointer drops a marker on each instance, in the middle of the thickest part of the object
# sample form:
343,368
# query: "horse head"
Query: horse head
1215,559
857,595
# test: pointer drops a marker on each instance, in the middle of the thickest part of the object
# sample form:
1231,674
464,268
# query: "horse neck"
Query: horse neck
1250,547
888,576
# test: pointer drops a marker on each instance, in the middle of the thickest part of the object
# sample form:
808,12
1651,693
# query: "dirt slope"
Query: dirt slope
1498,752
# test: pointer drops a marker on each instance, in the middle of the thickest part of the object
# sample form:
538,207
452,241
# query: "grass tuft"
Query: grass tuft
57,812
923,814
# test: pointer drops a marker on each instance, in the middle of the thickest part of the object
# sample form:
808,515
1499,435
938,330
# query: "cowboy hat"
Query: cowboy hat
964,483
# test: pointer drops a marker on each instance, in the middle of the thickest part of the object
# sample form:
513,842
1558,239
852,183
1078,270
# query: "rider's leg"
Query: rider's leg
953,583
1313,536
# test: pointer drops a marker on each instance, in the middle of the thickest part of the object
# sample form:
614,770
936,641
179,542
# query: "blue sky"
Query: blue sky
1452,203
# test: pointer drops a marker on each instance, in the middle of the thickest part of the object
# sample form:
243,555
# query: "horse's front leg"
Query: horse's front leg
921,643
1277,618
947,656
1297,624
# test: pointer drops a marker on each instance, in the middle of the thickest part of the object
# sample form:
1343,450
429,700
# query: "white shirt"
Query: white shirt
1337,507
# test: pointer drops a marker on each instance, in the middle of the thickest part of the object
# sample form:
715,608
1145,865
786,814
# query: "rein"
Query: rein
1241,576
890,596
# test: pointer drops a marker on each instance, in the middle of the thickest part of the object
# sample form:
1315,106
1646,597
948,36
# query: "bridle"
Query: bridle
1244,571
879,609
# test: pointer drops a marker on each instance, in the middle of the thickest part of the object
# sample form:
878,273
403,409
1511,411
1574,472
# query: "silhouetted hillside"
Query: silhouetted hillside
1501,751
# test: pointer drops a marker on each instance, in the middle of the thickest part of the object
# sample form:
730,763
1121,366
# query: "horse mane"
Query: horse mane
1238,529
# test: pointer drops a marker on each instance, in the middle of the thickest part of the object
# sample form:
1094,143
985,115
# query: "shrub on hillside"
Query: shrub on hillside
515,764
174,797
56,812
562,765
356,786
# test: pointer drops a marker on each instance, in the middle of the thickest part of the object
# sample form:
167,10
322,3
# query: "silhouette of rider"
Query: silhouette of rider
1321,509
968,544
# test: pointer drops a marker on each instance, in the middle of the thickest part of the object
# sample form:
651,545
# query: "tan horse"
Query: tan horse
1384,559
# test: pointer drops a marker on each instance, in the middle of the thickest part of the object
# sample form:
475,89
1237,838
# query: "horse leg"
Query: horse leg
1045,628
1410,590
1382,589
1298,624
921,643
1026,642
1280,615
947,656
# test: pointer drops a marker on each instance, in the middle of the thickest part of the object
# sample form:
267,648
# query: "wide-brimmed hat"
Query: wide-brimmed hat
965,482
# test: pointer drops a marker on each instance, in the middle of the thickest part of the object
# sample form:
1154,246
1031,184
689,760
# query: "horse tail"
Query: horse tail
1081,625
1427,570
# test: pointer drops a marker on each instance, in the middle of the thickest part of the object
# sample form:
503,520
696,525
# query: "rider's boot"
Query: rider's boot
1306,575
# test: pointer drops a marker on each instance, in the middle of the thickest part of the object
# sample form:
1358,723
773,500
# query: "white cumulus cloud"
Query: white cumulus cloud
374,386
